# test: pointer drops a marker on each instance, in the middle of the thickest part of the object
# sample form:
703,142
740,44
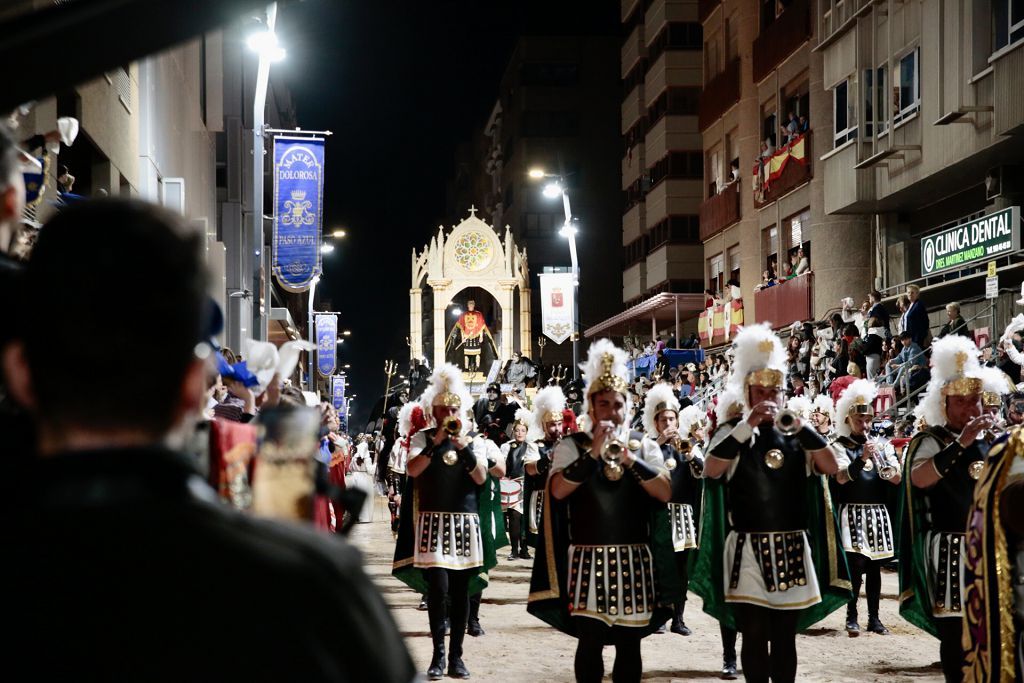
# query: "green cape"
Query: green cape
915,604
548,589
492,529
826,547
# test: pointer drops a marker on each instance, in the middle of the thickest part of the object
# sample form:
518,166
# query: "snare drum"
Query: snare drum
511,494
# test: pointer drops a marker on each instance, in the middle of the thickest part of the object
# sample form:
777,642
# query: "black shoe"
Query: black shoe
512,556
447,626
660,630
423,605
876,626
525,555
681,628
729,670
435,671
474,629
852,628
456,669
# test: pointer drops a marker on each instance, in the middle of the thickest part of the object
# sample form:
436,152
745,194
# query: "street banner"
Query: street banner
298,210
326,343
343,413
972,242
338,391
556,305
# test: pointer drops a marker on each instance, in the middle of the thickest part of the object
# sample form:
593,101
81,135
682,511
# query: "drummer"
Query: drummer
516,452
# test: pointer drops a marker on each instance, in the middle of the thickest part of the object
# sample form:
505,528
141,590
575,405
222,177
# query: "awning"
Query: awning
63,45
660,310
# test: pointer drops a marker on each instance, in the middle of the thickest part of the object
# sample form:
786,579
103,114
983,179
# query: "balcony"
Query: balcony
720,211
633,50
786,303
705,8
720,93
783,172
632,107
779,40
671,132
672,197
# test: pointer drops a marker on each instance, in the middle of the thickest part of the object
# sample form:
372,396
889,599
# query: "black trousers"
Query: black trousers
684,575
950,650
444,587
514,525
728,642
871,570
762,627
474,606
591,637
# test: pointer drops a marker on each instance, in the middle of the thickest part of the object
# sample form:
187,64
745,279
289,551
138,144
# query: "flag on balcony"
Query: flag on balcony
777,162
735,317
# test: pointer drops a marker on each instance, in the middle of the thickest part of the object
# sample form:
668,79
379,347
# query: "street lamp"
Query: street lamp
326,248
346,366
554,188
265,44
338,234
347,333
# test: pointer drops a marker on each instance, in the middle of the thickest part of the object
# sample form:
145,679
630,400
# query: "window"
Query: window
770,247
713,57
675,230
874,101
685,165
842,111
635,77
633,195
676,36
635,251
542,225
550,124
716,273
769,122
714,170
732,37
1007,22
635,135
734,263
908,88
674,101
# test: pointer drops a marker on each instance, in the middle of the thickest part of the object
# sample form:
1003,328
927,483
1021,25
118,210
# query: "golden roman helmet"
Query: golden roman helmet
991,399
860,406
448,399
962,386
553,416
767,377
608,380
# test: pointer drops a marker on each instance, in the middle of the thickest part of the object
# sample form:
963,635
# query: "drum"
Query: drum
511,493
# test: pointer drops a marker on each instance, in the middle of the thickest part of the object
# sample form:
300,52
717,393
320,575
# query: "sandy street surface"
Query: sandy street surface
519,647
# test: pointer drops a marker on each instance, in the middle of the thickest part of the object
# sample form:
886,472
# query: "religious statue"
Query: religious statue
471,328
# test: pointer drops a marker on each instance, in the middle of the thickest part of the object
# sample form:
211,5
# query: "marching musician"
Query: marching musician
823,415
683,460
549,413
777,513
605,513
496,523
515,454
447,544
944,462
867,470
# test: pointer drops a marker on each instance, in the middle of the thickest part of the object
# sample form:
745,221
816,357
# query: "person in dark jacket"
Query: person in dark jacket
115,537
956,323
915,318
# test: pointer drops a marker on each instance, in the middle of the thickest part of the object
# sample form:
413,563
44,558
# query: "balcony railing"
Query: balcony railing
786,303
784,171
780,39
706,7
720,93
720,211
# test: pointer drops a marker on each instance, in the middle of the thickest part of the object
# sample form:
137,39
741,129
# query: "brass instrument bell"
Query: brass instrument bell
453,426
774,459
787,422
611,453
976,469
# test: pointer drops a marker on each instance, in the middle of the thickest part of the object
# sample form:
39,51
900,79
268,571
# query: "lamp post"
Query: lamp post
554,188
265,44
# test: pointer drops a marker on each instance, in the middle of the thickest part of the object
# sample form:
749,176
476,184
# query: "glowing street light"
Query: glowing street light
456,312
338,234
552,190
266,45
347,333
536,173
346,366
326,248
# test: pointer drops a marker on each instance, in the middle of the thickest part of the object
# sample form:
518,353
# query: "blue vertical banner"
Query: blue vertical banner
326,343
338,392
343,413
298,210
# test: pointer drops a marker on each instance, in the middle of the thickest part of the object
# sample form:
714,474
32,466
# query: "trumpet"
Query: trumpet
611,453
995,430
880,459
787,422
452,425
681,447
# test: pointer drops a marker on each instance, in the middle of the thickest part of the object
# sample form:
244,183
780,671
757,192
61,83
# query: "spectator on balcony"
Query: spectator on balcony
804,124
916,316
734,170
909,356
767,148
767,280
798,262
878,316
902,304
791,130
956,323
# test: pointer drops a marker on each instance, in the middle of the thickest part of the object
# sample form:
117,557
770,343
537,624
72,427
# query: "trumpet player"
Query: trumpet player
944,461
776,516
548,412
444,547
685,466
605,514
867,469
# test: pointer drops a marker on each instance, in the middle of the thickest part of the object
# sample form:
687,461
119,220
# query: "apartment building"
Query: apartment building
766,120
926,143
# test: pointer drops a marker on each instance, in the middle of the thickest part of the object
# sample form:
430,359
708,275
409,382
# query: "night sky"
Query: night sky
400,85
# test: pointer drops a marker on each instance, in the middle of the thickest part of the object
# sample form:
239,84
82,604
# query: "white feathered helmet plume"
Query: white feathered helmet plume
446,388
548,405
605,369
955,372
759,360
659,398
691,418
525,417
856,399
823,404
730,404
801,405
